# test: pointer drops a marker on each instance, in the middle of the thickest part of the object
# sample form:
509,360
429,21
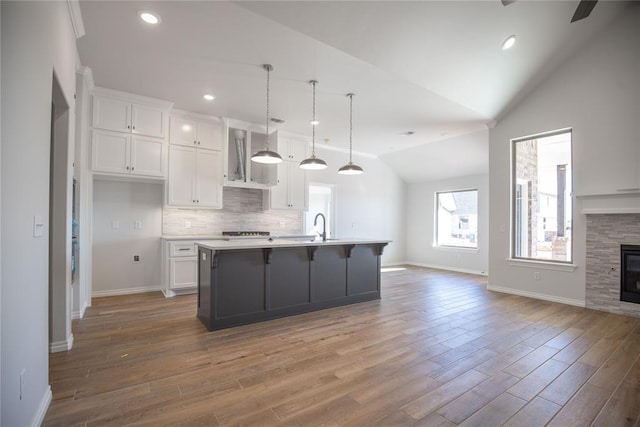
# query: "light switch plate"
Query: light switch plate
38,226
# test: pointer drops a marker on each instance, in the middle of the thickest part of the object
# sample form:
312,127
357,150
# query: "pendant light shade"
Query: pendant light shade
313,163
267,156
350,168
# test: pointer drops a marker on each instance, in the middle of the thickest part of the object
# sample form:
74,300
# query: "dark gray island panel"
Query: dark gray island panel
330,273
289,274
240,286
239,278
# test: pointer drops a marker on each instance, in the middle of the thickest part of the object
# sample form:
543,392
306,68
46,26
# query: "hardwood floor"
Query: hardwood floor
437,350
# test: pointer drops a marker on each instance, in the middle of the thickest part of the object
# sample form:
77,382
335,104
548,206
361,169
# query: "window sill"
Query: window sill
456,249
544,265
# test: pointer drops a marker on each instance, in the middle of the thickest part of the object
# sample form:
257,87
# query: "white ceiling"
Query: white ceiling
432,67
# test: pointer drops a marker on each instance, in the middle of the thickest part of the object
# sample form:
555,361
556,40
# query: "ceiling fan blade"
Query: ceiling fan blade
584,9
507,2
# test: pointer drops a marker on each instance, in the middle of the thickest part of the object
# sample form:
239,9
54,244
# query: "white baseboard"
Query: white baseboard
545,297
58,346
38,418
127,291
79,314
443,267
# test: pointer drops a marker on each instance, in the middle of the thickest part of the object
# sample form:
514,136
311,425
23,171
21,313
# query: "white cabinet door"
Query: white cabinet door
111,114
298,188
183,272
292,150
210,136
147,121
209,178
182,176
280,192
147,156
291,191
110,152
183,131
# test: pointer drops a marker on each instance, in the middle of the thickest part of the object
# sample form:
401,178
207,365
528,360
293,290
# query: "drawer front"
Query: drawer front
182,249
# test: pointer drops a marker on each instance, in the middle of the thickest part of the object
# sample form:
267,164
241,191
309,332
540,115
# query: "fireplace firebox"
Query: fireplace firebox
630,273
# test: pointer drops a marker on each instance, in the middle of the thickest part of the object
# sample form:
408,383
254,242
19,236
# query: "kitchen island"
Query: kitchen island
243,282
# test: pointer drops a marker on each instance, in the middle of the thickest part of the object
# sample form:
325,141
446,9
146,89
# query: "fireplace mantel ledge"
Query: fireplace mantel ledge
625,201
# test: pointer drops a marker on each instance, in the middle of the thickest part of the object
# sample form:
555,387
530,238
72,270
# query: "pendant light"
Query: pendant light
266,156
313,163
350,168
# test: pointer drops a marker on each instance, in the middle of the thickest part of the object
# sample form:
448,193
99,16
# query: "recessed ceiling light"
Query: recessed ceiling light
509,42
408,133
149,17
209,97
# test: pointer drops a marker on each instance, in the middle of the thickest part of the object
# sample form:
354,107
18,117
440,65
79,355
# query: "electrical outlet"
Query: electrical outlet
137,258
536,275
187,224
115,224
137,225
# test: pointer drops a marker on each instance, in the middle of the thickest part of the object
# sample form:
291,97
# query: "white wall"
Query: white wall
113,269
371,205
597,93
421,249
37,39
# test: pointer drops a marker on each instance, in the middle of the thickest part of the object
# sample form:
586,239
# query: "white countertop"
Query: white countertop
265,243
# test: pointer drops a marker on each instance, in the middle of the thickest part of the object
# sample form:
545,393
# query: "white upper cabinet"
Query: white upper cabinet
117,153
195,178
129,134
292,149
124,116
292,190
192,131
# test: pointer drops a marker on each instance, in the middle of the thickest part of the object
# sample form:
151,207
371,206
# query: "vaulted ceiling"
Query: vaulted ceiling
430,67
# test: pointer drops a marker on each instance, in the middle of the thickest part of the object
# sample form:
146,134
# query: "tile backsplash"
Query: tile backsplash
242,211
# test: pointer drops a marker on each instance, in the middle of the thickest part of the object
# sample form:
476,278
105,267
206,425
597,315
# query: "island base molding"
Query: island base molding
238,287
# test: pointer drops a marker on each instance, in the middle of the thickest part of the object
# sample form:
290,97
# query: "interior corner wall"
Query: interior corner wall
117,205
371,205
596,92
421,249
37,40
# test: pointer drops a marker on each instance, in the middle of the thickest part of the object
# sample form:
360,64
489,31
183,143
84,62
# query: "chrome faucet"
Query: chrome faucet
324,226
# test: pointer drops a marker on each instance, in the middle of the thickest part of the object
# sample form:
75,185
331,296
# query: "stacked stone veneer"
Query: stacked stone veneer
242,211
605,234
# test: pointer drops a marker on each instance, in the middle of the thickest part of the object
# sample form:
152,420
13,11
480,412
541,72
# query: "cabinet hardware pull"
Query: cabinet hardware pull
184,249
134,128
132,168
128,127
127,167
195,142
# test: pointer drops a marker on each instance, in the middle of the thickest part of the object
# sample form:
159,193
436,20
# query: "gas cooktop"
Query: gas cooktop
246,233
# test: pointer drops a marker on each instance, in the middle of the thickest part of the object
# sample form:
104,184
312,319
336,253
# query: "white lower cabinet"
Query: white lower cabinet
179,267
183,273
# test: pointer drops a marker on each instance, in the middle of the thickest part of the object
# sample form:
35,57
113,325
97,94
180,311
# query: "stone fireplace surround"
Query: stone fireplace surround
605,234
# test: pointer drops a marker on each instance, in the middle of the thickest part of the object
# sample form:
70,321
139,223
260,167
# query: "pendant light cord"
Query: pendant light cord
268,68
313,126
350,127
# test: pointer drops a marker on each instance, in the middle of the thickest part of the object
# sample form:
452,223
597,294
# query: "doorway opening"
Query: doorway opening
60,207
321,200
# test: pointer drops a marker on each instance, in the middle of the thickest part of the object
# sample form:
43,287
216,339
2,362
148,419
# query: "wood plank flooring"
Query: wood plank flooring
437,350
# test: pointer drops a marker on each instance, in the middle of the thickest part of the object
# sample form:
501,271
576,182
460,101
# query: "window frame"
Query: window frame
436,205
514,181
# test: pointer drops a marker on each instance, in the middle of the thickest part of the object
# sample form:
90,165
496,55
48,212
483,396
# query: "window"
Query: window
457,218
542,208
